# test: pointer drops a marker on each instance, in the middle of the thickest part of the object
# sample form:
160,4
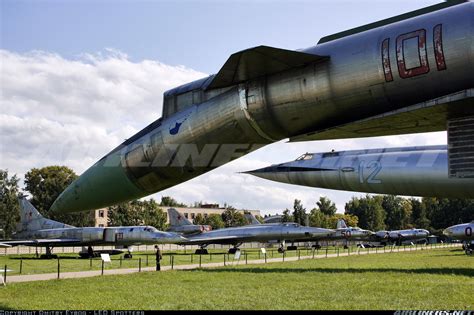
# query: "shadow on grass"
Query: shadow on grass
6,308
435,271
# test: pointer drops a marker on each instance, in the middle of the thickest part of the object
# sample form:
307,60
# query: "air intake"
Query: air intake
461,147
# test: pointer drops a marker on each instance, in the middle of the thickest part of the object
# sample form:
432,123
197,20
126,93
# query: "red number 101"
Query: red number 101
423,67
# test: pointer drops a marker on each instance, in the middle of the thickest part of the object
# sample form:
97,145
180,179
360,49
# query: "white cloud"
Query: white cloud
72,112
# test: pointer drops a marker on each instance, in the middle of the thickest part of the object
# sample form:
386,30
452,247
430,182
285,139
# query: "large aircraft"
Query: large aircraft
462,232
405,74
414,171
398,237
36,230
281,232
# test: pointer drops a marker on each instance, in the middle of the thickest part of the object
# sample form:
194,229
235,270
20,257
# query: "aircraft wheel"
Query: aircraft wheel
127,256
233,250
281,250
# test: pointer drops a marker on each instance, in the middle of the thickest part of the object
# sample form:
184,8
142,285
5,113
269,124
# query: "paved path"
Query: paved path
93,273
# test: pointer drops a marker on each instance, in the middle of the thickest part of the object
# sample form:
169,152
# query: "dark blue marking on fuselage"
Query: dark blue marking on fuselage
175,129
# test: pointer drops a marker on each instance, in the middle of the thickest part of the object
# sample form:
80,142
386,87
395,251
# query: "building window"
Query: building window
186,215
101,213
193,215
101,225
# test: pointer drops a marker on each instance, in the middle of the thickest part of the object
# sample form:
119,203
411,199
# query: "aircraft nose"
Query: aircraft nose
265,172
448,232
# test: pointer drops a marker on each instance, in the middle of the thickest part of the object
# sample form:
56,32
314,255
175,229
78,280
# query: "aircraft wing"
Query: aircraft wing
2,245
39,242
258,62
423,117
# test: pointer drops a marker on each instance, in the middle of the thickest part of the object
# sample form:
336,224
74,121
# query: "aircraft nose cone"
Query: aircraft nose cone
103,184
448,232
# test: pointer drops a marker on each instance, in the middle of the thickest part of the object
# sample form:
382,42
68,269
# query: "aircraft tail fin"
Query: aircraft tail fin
32,220
251,218
341,224
176,218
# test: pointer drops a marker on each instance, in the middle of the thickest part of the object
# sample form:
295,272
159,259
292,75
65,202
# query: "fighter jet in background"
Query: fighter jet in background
405,74
350,233
462,232
398,237
236,236
36,230
179,224
413,171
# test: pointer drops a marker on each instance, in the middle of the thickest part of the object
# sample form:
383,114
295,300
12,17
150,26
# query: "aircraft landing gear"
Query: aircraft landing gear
128,255
281,248
202,250
316,246
234,249
469,249
49,253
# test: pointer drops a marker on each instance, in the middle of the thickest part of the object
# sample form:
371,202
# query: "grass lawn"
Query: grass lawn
429,279
27,263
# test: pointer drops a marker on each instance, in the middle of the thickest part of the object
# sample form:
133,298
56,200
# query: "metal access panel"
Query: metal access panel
461,147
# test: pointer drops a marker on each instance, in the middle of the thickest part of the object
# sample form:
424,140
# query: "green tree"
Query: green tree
299,212
326,206
232,217
369,210
167,201
152,214
418,214
125,214
215,221
199,219
398,212
351,220
45,184
318,219
9,206
286,216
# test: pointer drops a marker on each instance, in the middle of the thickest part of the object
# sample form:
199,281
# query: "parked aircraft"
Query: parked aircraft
414,171
350,233
235,236
400,236
180,224
405,74
462,232
35,230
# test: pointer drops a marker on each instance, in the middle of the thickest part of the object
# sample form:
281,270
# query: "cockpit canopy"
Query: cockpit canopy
304,157
150,229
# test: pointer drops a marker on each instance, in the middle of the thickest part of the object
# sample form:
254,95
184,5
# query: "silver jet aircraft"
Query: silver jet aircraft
462,232
401,236
249,233
350,233
35,230
405,74
414,171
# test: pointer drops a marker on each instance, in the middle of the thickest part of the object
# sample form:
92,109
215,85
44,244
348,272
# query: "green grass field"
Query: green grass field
27,263
429,279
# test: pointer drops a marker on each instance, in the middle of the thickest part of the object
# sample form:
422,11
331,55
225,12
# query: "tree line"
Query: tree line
373,212
386,212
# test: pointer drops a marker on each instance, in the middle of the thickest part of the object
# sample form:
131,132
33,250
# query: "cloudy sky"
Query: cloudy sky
79,77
